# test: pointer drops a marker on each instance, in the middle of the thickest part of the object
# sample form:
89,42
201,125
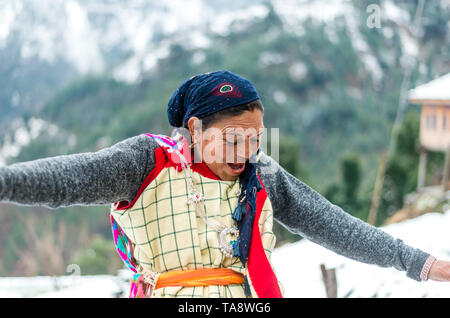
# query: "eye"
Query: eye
233,140
236,142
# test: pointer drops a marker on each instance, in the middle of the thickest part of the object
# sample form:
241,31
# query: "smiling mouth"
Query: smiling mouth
236,167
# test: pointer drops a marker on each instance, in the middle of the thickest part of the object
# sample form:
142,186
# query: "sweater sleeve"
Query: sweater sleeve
92,178
305,212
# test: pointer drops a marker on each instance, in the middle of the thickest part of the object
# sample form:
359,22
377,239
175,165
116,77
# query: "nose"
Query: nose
244,153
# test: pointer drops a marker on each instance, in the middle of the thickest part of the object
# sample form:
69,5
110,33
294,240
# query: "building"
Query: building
434,123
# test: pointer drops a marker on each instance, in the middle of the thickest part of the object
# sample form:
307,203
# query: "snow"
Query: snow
99,286
86,57
297,266
22,133
294,10
395,13
83,32
437,89
7,15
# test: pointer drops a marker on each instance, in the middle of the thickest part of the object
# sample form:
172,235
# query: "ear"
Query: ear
194,126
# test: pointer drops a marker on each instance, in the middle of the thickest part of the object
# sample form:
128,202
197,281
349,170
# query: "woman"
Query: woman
194,219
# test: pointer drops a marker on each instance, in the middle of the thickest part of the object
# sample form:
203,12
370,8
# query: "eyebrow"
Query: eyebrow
233,133
239,135
257,134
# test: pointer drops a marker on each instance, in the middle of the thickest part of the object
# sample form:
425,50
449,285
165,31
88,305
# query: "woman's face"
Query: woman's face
228,144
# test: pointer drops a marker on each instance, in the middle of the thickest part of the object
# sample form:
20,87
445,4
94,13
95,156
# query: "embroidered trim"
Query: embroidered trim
123,245
262,276
226,89
151,279
165,141
426,268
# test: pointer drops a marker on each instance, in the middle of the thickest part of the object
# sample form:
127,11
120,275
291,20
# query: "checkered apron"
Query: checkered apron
160,232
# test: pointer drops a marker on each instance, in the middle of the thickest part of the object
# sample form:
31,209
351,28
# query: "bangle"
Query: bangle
426,268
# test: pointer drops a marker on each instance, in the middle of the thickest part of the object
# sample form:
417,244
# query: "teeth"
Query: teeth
236,166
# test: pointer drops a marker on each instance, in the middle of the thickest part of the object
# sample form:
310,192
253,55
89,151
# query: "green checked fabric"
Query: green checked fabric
167,234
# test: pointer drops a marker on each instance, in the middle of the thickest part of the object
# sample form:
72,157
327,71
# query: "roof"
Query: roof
436,90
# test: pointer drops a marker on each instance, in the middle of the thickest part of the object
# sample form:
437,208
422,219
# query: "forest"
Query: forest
333,99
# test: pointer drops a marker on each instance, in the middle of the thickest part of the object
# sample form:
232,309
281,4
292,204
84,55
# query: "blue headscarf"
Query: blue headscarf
201,96
205,94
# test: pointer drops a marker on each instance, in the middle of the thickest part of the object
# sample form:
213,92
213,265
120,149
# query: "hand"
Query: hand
440,271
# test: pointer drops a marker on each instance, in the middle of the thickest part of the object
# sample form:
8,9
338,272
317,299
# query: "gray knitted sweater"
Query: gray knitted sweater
115,173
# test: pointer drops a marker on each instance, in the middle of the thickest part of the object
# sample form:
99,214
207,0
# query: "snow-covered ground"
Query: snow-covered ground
99,286
297,266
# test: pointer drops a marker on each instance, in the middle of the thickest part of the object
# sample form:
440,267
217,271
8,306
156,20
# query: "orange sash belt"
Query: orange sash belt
199,277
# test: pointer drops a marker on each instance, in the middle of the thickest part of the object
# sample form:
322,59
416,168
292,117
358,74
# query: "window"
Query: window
431,121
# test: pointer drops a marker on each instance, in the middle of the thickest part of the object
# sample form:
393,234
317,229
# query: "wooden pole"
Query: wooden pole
329,280
377,191
422,169
446,171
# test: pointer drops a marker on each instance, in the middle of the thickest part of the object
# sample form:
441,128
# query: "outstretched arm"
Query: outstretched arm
92,178
305,212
